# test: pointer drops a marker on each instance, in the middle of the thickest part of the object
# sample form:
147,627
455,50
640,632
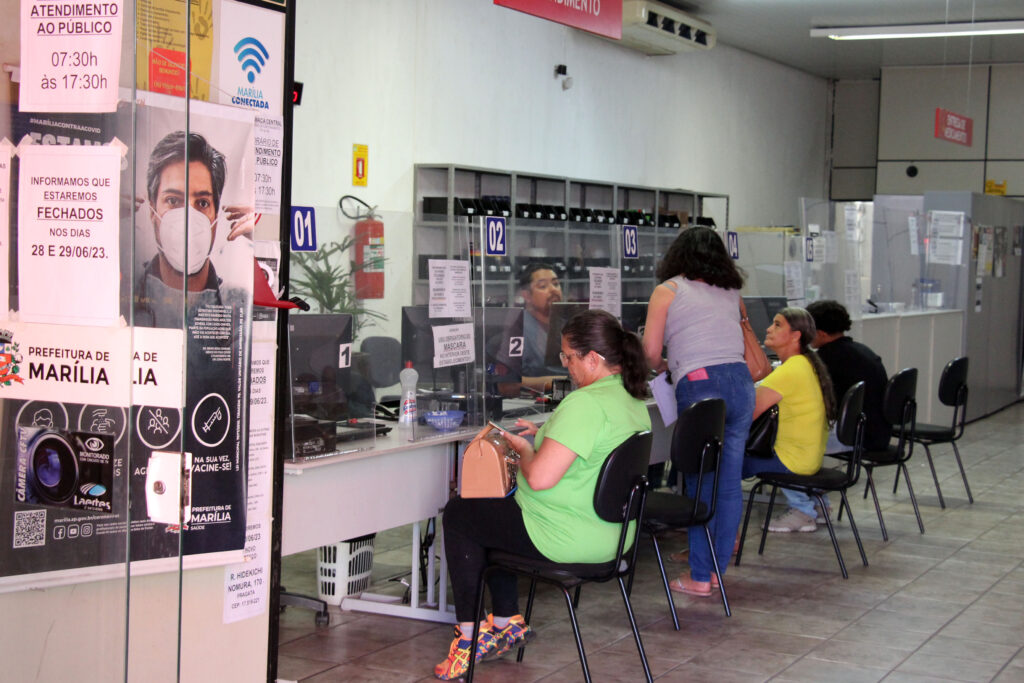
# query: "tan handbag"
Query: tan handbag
489,466
757,361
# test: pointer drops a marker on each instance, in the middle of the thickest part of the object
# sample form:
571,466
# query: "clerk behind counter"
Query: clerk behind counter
539,287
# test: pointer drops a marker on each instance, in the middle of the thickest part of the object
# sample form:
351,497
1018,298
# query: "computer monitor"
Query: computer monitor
561,313
761,311
634,316
497,337
320,364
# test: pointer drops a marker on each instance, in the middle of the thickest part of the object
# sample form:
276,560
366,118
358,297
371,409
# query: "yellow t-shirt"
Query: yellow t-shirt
803,429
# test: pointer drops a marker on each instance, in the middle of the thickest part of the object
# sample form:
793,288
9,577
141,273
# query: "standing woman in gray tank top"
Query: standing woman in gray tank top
694,312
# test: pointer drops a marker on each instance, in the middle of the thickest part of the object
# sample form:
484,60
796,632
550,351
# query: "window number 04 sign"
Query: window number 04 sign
303,228
495,236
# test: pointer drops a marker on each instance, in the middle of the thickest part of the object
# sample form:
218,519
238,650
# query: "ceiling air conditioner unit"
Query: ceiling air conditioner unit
656,29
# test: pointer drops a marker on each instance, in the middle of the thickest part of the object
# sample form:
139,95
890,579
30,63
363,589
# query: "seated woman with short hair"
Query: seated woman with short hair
552,514
802,389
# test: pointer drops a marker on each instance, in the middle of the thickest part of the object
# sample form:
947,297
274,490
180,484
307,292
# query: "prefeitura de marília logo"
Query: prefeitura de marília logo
10,359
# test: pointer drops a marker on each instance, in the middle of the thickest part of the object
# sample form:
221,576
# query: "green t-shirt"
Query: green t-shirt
803,430
591,422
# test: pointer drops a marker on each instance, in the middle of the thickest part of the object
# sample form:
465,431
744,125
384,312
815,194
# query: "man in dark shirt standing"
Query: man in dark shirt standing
849,362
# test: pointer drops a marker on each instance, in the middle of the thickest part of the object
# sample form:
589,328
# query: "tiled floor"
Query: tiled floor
946,605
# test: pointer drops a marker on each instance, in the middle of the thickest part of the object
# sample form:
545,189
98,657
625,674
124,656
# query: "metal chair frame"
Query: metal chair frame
619,497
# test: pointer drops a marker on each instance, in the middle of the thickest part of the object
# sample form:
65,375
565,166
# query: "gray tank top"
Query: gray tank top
702,327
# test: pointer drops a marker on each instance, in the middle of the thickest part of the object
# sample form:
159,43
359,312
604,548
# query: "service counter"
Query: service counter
925,340
395,482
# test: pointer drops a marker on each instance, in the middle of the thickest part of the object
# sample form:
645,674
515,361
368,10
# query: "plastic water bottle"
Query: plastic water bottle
409,378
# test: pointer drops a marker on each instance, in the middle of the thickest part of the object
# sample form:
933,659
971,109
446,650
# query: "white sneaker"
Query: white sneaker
793,520
818,517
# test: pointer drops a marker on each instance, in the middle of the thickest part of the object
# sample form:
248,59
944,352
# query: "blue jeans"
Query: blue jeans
803,502
731,382
796,499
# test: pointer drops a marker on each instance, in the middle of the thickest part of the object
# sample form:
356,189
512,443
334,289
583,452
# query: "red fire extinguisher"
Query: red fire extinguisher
368,247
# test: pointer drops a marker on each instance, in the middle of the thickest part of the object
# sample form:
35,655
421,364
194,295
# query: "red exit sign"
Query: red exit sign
953,127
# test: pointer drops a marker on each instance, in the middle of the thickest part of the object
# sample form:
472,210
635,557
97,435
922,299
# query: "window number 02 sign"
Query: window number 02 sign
303,228
495,236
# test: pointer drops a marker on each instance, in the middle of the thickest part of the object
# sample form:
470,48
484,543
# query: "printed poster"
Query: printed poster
215,264
160,59
250,58
269,157
68,234
6,151
246,584
999,248
70,55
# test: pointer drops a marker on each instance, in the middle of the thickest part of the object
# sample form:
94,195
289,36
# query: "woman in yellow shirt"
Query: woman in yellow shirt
802,389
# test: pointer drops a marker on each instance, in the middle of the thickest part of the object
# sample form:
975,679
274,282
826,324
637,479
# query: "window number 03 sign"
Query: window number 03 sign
495,236
630,242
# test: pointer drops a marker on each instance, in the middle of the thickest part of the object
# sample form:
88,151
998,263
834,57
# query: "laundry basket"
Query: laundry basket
344,568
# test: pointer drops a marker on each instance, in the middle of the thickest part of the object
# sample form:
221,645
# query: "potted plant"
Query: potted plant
326,278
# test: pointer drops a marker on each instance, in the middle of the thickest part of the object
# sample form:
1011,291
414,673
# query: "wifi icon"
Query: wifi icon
252,56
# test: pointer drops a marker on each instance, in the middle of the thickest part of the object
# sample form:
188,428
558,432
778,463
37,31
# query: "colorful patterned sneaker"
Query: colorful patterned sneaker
517,632
457,663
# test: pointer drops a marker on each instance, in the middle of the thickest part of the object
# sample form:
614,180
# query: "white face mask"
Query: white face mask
172,238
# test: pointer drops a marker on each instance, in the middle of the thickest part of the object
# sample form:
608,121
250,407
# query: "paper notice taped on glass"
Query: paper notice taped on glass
946,223
852,215
606,290
794,274
449,288
944,250
912,231
831,247
453,345
851,290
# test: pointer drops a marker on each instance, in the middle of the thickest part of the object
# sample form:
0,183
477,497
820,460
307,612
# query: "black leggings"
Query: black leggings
472,526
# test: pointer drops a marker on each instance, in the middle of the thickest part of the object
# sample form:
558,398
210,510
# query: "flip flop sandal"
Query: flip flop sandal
687,586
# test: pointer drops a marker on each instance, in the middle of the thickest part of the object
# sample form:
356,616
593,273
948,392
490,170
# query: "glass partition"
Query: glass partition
134,170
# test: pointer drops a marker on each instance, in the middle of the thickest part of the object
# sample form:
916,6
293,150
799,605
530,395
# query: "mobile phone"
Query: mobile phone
510,430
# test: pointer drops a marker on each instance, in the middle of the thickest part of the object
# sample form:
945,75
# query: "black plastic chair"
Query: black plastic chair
952,392
850,432
619,497
899,407
696,450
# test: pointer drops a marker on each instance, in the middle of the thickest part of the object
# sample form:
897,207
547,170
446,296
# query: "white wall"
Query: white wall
471,83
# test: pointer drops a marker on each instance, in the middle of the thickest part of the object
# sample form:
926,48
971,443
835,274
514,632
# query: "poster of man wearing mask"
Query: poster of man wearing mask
193,272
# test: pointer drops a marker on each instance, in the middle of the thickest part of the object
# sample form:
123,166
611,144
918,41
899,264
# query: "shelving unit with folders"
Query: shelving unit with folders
572,224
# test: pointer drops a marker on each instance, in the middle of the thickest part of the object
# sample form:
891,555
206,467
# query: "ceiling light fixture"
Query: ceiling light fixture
978,28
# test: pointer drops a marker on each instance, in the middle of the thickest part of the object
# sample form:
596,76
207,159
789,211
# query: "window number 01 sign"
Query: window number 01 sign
303,228
495,236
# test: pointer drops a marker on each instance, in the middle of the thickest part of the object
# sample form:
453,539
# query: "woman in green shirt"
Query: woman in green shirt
552,513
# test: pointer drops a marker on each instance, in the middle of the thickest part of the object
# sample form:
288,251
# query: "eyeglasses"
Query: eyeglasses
579,354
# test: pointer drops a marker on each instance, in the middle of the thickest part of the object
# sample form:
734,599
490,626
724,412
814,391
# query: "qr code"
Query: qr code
29,528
